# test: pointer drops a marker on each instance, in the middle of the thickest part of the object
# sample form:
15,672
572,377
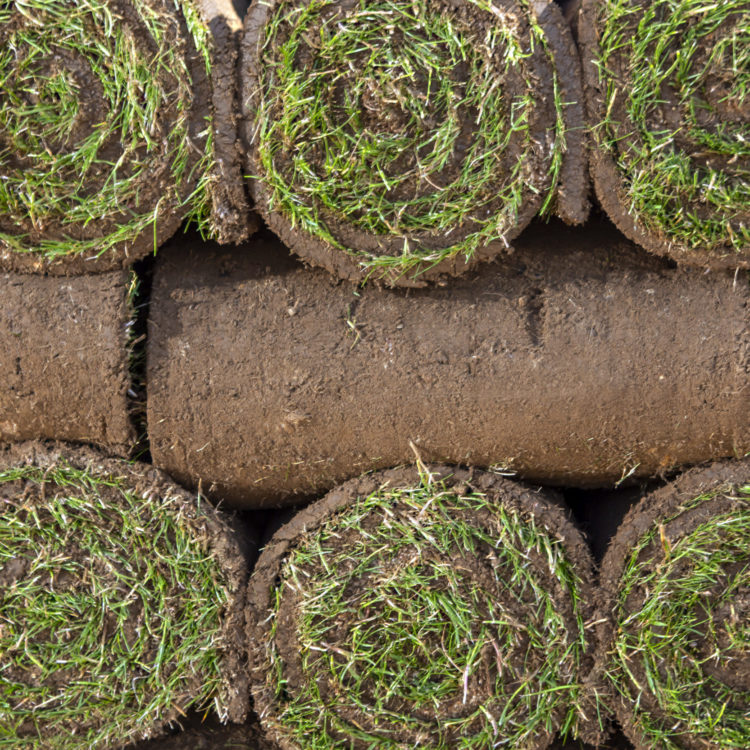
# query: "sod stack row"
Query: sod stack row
400,140
431,607
268,383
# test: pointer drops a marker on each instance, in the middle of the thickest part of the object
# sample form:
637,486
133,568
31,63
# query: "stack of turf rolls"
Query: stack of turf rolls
115,126
399,141
121,602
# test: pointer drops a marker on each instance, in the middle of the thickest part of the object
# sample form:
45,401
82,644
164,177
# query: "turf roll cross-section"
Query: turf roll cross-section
676,646
402,139
434,608
116,124
668,92
121,602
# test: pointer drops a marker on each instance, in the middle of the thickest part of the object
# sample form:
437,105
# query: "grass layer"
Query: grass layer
406,121
680,657
97,140
111,609
674,77
425,615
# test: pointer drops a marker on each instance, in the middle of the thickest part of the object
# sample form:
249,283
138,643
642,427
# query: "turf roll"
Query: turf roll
436,608
65,356
117,122
676,644
667,88
121,602
405,139
575,362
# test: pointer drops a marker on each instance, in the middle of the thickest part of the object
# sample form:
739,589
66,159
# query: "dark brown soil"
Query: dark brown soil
607,180
64,359
222,544
217,95
571,198
282,630
665,508
576,362
243,737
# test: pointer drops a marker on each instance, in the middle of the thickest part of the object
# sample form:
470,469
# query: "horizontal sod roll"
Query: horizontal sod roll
405,139
65,346
437,608
117,122
667,88
676,641
121,602
576,362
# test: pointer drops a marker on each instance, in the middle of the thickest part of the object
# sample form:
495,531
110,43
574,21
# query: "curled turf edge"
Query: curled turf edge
442,609
668,96
675,633
405,139
121,602
116,124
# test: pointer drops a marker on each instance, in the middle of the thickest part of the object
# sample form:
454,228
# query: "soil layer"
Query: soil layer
579,361
375,104
369,547
102,532
663,584
109,188
64,358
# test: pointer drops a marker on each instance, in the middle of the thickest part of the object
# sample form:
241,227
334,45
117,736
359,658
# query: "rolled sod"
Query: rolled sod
121,604
405,139
676,640
576,362
441,609
65,349
667,85
117,123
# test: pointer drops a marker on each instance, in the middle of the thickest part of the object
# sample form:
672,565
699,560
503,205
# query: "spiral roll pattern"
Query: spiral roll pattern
106,133
398,138
119,603
668,85
677,585
408,612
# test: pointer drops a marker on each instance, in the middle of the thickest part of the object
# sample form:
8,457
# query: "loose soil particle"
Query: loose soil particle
64,359
578,361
